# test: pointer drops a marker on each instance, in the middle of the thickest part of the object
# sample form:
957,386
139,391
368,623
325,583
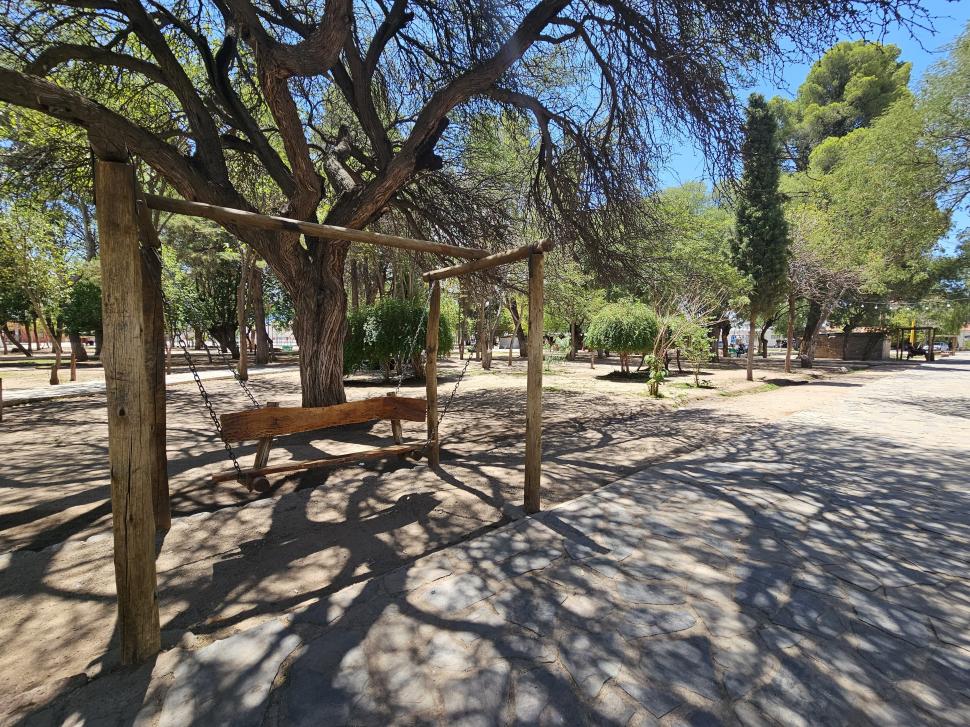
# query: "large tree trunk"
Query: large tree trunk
77,348
354,286
806,350
319,327
762,337
725,342
241,316
14,342
519,333
790,332
225,336
751,334
263,343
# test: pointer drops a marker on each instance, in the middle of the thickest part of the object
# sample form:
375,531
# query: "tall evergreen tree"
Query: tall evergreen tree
760,246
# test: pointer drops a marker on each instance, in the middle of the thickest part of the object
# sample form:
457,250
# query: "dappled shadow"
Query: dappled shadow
769,581
748,500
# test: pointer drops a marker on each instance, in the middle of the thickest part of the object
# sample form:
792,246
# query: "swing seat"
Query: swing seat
272,420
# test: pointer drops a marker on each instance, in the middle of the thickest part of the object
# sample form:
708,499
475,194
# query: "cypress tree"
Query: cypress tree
760,245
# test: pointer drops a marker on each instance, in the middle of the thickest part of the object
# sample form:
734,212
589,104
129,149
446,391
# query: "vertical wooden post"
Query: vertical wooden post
431,372
129,367
931,351
154,316
397,430
1,400
73,365
533,410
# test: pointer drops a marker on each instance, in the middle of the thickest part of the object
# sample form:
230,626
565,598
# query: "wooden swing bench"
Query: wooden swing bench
273,420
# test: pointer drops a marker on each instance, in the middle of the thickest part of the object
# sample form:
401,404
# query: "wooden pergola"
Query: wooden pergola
133,319
899,336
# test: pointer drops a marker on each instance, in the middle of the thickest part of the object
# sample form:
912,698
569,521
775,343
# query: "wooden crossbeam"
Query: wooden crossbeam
270,422
313,229
492,261
399,450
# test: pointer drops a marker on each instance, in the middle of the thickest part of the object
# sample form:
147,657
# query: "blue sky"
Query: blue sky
922,50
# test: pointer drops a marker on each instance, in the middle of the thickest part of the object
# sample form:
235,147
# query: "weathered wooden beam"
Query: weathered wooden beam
533,406
154,316
131,417
313,229
492,261
397,431
431,373
269,422
367,454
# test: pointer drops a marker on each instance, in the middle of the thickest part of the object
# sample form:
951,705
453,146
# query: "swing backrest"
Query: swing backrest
273,421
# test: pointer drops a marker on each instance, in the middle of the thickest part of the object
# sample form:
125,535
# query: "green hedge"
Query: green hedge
388,331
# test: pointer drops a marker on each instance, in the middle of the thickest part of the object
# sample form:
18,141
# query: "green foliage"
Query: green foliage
279,305
81,311
571,297
390,330
944,102
691,338
760,248
871,194
34,260
850,86
657,373
200,277
625,327
692,267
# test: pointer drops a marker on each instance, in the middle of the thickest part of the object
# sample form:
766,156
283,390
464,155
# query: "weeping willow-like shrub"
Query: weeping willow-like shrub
390,333
627,327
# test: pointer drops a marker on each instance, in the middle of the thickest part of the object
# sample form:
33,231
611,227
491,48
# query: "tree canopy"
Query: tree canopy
358,113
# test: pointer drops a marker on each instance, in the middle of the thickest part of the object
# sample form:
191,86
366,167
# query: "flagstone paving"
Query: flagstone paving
816,572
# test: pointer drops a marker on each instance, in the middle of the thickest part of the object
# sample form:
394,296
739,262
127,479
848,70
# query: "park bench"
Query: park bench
272,420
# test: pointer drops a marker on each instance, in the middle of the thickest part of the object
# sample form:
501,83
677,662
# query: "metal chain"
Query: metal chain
414,342
454,391
242,383
205,400
198,379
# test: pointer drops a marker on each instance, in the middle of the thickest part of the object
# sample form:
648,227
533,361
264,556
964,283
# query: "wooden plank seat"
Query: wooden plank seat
273,420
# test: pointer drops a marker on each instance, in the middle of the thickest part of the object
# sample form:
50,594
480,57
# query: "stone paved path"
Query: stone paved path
93,388
815,573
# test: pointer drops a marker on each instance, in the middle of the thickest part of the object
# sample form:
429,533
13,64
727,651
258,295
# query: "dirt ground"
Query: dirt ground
232,559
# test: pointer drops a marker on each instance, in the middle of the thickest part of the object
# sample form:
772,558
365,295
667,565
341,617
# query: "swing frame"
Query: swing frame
134,363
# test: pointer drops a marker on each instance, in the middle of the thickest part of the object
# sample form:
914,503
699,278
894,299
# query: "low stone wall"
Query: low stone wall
859,347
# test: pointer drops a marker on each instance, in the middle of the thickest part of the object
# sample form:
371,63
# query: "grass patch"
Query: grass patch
689,385
755,390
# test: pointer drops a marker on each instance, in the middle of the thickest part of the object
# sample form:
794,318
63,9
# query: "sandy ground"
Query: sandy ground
233,559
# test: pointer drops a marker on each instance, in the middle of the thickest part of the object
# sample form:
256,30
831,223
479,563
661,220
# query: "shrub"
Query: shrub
627,327
693,341
389,332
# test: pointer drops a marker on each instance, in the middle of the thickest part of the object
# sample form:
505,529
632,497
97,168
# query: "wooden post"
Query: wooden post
128,366
397,431
1,400
931,352
154,316
533,410
431,373
73,365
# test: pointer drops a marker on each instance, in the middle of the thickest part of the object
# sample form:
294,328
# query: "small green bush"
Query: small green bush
627,327
389,332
